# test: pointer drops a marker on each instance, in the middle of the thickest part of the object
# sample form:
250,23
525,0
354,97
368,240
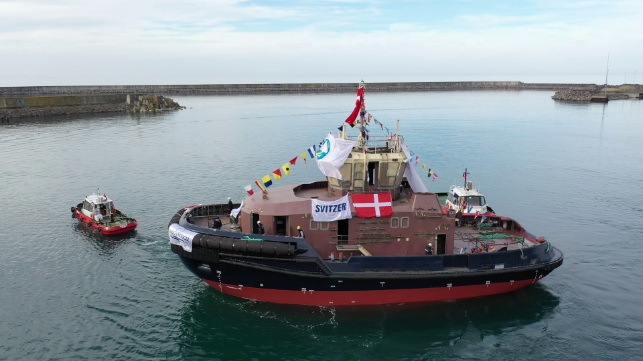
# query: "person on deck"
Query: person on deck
485,247
301,232
216,224
429,249
463,250
230,206
260,227
458,218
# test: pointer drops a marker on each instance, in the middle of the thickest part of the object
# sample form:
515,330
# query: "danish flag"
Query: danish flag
372,205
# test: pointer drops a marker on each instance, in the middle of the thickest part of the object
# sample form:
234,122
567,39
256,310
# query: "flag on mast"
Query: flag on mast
293,161
286,168
303,155
267,182
358,105
261,187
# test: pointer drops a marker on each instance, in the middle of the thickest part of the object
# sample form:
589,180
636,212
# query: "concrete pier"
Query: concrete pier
283,88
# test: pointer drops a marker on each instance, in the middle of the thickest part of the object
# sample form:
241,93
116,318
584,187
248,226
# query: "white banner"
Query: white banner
235,212
411,175
332,154
331,211
181,236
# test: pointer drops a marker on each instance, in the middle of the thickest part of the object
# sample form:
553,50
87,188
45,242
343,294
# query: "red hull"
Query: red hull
343,298
108,231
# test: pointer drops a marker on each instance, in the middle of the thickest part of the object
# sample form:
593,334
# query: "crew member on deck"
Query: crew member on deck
230,204
458,218
429,249
260,227
301,232
463,250
216,224
485,247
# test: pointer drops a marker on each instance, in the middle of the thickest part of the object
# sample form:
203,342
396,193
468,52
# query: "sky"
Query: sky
81,42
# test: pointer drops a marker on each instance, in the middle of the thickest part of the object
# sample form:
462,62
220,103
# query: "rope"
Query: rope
156,215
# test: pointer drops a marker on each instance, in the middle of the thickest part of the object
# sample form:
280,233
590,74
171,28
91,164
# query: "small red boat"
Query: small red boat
99,213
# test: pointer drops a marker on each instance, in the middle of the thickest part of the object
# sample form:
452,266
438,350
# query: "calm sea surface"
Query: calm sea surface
571,172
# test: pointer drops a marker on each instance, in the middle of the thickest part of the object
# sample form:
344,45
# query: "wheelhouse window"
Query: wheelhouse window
345,183
389,172
475,201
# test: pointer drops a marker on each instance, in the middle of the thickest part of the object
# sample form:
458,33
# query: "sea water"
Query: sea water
570,172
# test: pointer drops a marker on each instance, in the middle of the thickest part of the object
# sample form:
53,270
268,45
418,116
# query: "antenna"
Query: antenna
607,72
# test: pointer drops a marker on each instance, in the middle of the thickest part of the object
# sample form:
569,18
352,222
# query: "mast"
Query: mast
397,137
361,112
606,73
363,136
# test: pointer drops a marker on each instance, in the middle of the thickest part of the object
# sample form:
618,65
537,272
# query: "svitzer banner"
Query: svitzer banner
331,211
181,236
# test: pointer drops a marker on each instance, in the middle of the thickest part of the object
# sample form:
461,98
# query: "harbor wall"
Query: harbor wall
277,88
65,100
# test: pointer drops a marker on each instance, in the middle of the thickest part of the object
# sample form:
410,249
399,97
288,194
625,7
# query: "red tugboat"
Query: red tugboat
372,234
99,213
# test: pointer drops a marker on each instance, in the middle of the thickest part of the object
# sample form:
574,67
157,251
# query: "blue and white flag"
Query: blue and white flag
332,155
331,211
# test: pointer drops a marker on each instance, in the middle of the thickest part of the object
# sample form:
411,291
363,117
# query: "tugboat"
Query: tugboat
371,233
99,213
466,199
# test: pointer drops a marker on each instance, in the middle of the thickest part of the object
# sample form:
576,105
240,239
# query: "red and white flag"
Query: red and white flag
248,189
372,205
358,105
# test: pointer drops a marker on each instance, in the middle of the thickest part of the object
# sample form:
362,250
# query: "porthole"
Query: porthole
404,222
395,222
313,225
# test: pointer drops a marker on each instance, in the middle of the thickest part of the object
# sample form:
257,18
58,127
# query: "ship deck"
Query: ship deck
465,236
470,236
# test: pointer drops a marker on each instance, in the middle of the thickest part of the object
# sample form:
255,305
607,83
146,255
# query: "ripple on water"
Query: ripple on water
561,170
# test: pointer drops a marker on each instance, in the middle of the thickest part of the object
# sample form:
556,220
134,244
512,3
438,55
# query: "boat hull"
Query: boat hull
258,283
108,231
344,298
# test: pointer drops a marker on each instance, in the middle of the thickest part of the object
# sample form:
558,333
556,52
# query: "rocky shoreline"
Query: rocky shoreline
139,103
586,94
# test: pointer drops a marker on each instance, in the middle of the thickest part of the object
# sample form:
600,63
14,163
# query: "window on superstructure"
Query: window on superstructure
347,177
474,201
388,174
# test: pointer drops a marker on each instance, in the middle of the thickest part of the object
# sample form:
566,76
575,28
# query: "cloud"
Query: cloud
167,40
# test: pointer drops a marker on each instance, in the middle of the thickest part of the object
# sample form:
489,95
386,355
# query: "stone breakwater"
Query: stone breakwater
8,114
624,91
152,103
284,88
574,95
23,108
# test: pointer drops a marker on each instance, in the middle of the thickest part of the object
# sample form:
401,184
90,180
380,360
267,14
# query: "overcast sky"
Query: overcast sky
50,42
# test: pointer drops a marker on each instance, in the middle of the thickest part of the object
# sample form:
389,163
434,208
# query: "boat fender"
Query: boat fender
241,246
